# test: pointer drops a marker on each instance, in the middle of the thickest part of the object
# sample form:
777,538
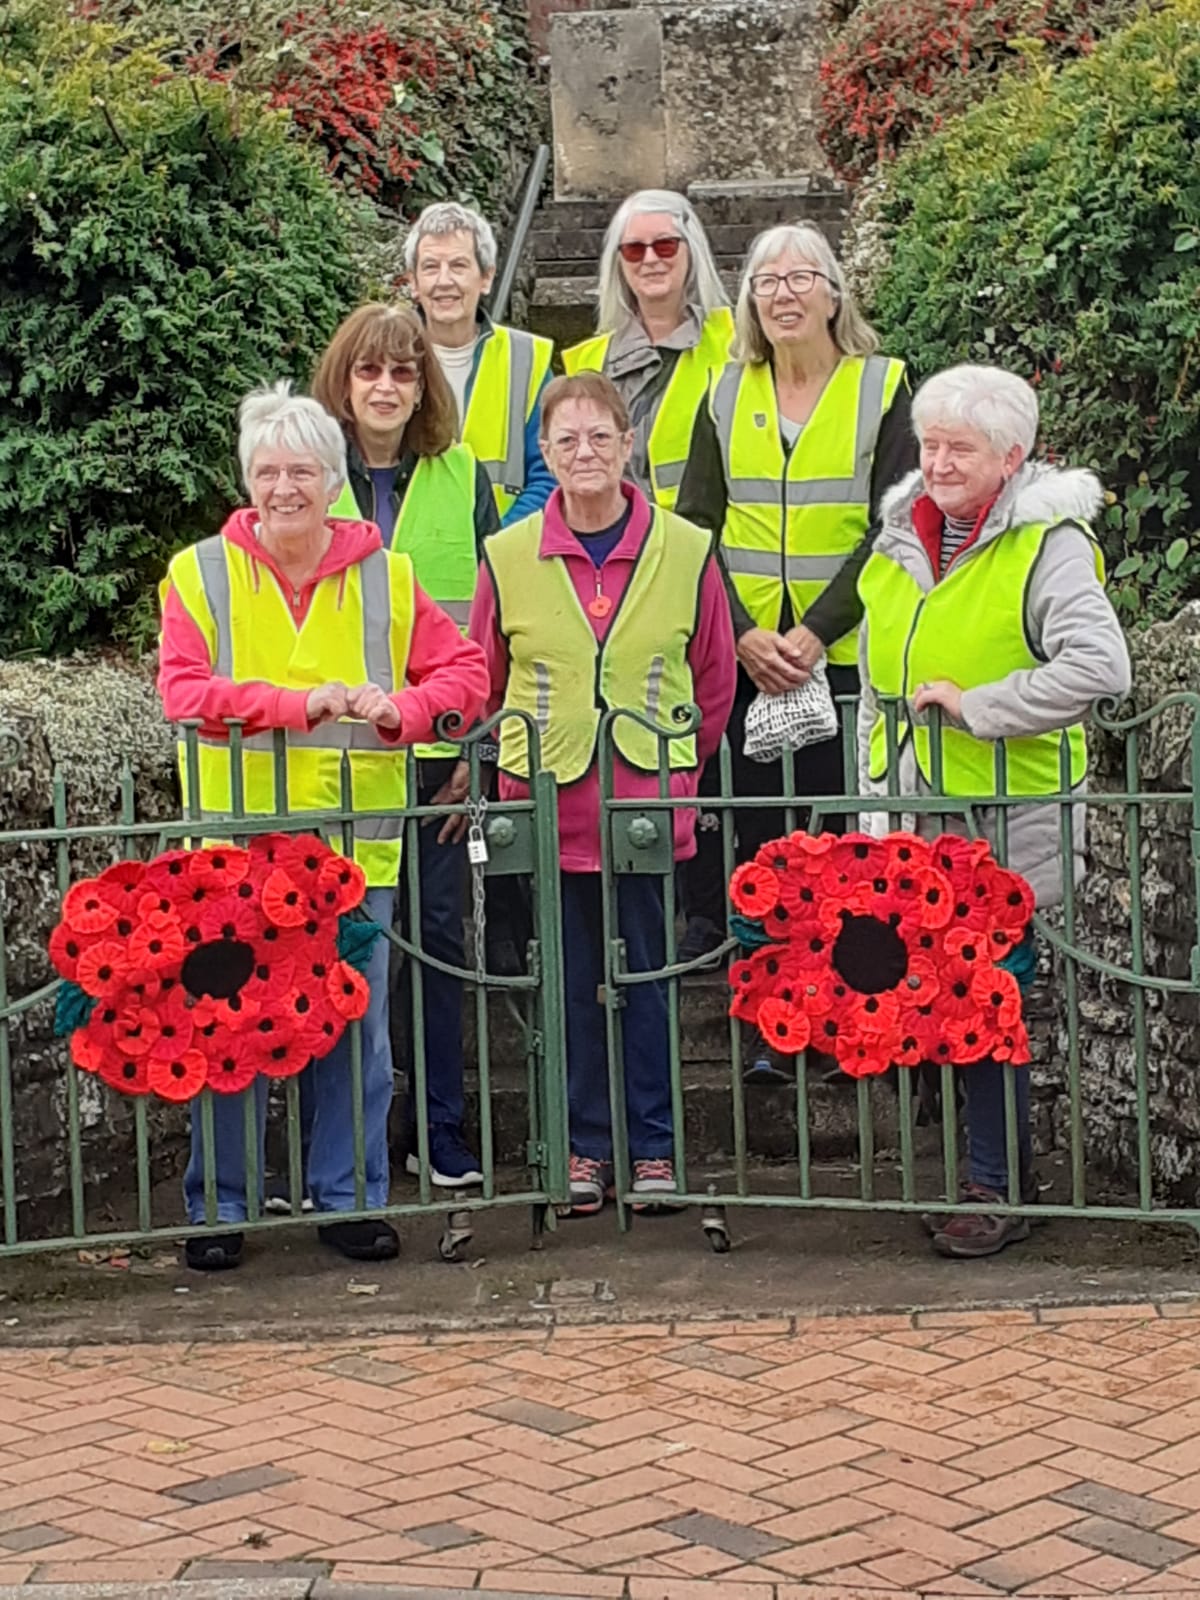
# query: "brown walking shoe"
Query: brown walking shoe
973,1234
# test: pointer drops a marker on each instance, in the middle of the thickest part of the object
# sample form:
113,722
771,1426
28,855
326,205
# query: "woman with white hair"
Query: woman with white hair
805,429
984,596
663,326
290,620
496,373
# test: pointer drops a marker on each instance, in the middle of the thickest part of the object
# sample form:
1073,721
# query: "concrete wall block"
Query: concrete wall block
606,103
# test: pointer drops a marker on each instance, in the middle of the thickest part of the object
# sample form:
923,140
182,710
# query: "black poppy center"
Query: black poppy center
870,955
218,969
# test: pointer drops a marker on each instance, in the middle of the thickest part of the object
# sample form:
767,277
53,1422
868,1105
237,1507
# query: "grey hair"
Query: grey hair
447,216
848,328
277,418
997,403
704,289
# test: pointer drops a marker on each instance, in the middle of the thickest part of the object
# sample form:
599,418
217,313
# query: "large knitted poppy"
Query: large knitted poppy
882,951
211,966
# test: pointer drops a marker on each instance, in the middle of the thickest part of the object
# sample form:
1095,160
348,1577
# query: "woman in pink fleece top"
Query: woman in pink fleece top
288,619
600,601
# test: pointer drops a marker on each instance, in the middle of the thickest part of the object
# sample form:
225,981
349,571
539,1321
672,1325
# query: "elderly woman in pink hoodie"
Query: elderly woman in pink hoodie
598,602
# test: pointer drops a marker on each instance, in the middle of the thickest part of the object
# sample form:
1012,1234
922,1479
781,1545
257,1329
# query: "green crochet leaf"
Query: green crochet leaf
72,1008
356,938
748,932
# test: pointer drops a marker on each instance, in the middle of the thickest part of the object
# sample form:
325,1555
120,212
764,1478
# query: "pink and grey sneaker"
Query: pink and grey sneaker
654,1181
591,1184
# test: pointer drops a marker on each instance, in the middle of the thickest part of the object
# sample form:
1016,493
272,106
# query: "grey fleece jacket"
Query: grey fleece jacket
1071,627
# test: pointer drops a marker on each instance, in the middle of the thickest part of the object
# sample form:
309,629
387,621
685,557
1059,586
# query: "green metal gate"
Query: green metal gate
637,839
145,1138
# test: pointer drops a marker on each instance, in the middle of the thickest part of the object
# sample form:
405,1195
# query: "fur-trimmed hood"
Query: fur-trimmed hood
1037,492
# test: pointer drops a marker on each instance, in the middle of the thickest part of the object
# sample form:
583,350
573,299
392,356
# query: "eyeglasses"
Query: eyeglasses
400,372
634,250
601,440
765,285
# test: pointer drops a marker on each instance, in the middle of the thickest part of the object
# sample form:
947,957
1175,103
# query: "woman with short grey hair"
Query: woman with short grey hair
663,326
984,596
291,620
804,430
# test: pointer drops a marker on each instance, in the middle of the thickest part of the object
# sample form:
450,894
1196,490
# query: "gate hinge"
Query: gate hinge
536,1153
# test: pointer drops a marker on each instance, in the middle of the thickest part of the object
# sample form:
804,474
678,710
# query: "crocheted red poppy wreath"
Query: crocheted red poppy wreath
882,951
211,966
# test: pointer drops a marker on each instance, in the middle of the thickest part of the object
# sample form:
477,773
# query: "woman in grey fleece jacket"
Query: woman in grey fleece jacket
984,596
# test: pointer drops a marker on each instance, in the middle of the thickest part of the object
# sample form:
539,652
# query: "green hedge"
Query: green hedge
1056,230
164,247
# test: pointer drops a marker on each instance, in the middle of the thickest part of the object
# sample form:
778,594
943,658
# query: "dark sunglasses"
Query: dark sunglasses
398,371
666,248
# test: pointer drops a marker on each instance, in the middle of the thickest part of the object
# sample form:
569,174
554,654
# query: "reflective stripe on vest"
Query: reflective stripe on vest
671,435
507,382
793,517
968,628
565,679
435,528
358,628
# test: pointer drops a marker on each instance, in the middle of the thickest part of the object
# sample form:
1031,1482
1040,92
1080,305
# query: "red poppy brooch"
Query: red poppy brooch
882,951
209,967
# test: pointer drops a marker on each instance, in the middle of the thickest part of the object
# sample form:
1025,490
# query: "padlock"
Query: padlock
477,850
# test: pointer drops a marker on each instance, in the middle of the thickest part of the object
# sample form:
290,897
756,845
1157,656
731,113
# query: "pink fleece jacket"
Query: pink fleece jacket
445,671
710,656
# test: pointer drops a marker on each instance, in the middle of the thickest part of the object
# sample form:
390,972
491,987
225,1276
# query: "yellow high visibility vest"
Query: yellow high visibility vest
508,380
671,434
358,629
565,679
793,518
436,529
970,629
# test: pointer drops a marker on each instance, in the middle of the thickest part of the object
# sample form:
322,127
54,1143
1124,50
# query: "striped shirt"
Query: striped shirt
956,532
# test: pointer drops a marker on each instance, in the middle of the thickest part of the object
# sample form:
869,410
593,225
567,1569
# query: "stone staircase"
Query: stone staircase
565,240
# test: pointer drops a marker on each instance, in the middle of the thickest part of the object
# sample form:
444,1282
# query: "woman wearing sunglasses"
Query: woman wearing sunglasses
432,501
804,431
664,325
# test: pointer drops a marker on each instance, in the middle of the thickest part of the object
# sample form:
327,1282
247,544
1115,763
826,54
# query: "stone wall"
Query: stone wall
662,95
1166,662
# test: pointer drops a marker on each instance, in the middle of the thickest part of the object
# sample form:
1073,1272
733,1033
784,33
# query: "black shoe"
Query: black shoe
371,1240
700,938
504,959
213,1252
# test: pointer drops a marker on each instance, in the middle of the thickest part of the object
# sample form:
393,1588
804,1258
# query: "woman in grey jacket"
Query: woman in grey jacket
984,596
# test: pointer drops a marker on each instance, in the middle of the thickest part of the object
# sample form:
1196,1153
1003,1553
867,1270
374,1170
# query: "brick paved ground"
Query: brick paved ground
1048,1453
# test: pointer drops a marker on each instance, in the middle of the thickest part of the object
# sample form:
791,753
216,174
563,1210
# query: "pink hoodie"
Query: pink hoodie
710,656
445,671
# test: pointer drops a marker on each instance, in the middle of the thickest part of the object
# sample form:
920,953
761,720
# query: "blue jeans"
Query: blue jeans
983,1084
331,1152
644,1018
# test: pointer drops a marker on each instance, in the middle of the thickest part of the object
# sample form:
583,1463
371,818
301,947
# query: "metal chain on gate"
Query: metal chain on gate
477,855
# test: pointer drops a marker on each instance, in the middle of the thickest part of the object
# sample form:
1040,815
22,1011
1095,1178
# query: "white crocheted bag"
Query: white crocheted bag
791,720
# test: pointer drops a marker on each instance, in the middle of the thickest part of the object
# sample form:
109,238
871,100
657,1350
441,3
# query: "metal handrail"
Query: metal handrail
535,175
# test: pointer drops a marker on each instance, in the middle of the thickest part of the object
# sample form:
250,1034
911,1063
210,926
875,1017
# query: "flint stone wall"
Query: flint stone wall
87,717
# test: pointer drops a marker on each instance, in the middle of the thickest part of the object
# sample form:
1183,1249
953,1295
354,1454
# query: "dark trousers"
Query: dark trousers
819,769
641,924
443,880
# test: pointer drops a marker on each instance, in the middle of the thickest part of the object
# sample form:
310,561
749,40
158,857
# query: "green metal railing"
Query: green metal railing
522,838
136,1198
637,839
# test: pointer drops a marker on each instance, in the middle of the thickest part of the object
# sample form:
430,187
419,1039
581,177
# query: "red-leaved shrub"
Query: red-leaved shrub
898,70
